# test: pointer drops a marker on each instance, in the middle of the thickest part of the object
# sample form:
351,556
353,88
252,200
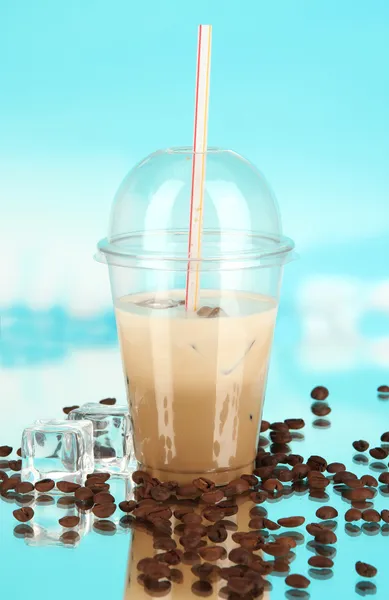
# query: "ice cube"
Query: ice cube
47,530
58,450
112,435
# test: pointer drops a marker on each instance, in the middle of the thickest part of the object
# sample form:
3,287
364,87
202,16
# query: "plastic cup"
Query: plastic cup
195,381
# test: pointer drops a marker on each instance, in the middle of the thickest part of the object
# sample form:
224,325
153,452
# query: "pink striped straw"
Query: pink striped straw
198,166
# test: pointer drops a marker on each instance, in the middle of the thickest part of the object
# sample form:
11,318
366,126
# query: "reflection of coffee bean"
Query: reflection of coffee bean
365,570
24,487
202,588
156,587
23,514
321,562
378,453
321,424
70,538
212,553
326,512
297,581
360,445
320,409
319,393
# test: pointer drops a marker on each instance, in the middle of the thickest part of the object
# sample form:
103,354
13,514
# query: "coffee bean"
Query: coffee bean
251,479
67,487
240,585
297,581
212,497
319,393
295,423
103,498
140,477
361,494
271,525
203,484
44,485
108,401
213,513
378,453
264,472
45,499
279,426
326,536
291,521
272,485
385,437
70,521
156,587
190,557
321,562
383,389
365,570
212,553
320,409
336,467
294,459
188,490
314,528
385,516
164,543
300,471
206,571
249,540
68,409
229,507
277,548
171,557
369,480
126,506
360,445
343,477
15,465
5,451
285,475
176,576
236,487
66,502
281,565
258,511
265,425
217,534
317,463
326,512
82,494
23,514
98,487
240,556
371,516
23,531
70,538
24,487
103,477
193,518
191,541
195,529
104,511
202,588
160,493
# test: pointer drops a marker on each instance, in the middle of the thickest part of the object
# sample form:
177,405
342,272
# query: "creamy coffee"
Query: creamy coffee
196,383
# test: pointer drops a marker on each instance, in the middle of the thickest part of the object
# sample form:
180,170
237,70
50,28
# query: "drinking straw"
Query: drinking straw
198,166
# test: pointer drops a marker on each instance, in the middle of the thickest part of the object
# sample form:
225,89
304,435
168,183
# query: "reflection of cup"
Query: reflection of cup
195,381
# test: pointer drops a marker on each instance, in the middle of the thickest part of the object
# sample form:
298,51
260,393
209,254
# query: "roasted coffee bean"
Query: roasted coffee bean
280,437
256,523
203,484
297,581
104,511
67,487
300,471
15,465
44,485
127,506
70,521
160,493
236,487
212,553
82,494
68,409
240,585
321,562
156,587
344,477
45,499
295,423
195,529
321,423
379,453
206,571
285,475
108,401
5,451
103,498
281,565
249,540
193,518
176,576
212,497
319,393
336,467
271,525
258,511
326,536
202,588
320,409
102,477
190,557
24,487
264,472
251,479
361,494
229,507
188,491
385,437
217,534
141,477
326,512
240,556
272,485
23,531
180,512
156,570
385,516
164,543
171,557
191,542
3,476
23,514
144,563
277,548
66,501
294,459
360,445
291,521
279,426
369,480
383,389
70,538
317,463
318,482
365,570
213,513
265,425
371,516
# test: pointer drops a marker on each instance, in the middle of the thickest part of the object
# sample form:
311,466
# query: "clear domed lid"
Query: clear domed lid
151,213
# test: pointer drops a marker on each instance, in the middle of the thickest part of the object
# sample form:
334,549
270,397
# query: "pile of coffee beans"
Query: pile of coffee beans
190,523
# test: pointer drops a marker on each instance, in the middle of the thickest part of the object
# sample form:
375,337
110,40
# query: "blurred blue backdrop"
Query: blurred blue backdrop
89,88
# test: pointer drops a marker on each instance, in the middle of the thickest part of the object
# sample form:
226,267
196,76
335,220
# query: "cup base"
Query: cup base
219,476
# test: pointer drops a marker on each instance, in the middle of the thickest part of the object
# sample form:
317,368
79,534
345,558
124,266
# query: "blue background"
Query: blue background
89,88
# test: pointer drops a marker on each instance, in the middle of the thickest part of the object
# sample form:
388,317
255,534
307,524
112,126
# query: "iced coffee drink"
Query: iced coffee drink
196,380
